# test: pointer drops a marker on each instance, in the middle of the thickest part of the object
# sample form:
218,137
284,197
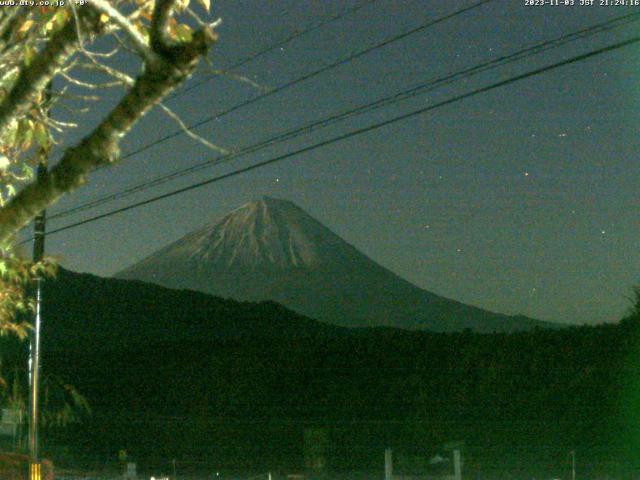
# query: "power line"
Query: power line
357,132
280,44
307,76
300,79
385,101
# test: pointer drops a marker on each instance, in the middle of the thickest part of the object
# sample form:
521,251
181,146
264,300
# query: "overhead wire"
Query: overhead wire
279,44
357,132
307,76
382,102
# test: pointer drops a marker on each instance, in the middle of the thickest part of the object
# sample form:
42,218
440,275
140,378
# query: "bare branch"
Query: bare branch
189,133
235,76
108,54
201,23
107,70
74,96
55,97
76,18
58,125
123,78
216,23
123,44
70,66
90,86
74,111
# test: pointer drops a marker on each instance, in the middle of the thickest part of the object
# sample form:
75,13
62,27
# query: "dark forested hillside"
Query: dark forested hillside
178,381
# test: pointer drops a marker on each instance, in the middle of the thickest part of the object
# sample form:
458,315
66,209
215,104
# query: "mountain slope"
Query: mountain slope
271,249
90,313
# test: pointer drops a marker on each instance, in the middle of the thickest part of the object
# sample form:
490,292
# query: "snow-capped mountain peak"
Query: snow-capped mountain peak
271,249
267,233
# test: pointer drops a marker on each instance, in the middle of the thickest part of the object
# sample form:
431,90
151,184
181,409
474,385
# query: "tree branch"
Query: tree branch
101,147
185,128
159,20
137,40
40,72
10,22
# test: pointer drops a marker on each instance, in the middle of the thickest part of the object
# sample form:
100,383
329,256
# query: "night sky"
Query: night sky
519,200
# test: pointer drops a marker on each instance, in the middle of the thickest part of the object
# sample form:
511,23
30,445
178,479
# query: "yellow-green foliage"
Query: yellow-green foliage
51,45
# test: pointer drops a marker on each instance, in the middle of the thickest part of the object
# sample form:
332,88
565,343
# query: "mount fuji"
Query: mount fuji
271,249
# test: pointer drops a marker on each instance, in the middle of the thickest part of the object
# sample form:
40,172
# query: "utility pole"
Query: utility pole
457,465
34,350
573,464
34,345
388,464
